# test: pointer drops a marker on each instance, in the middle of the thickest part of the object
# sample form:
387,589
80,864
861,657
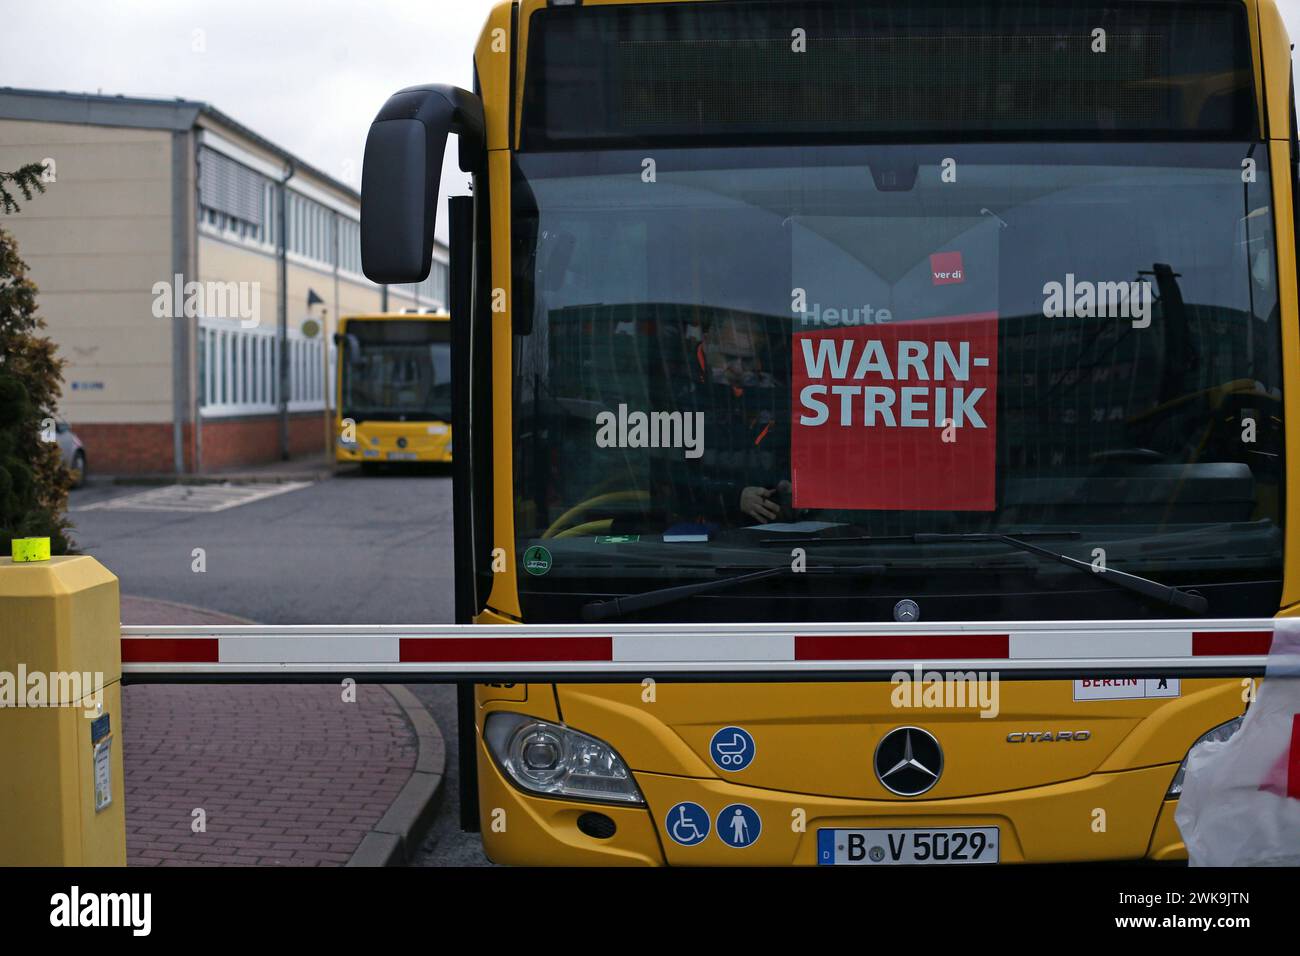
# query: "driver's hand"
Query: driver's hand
758,504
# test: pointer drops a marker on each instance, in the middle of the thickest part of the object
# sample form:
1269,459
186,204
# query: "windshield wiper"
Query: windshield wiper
621,606
1191,601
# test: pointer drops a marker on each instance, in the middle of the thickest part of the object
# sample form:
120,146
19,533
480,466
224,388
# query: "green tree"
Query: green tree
34,481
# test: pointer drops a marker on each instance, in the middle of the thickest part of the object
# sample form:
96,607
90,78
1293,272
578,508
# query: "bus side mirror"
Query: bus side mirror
401,172
353,350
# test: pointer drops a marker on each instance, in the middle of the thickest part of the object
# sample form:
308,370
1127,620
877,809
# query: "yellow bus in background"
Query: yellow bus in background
393,396
778,232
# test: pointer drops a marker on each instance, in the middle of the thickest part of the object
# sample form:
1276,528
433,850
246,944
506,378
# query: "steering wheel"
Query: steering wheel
1141,456
1226,399
569,518
585,529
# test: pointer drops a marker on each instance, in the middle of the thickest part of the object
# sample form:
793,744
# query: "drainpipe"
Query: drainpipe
184,245
282,310
326,337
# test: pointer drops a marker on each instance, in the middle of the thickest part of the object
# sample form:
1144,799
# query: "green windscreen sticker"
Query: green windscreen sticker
537,560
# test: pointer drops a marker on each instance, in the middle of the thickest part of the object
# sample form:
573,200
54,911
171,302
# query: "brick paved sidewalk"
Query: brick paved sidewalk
282,773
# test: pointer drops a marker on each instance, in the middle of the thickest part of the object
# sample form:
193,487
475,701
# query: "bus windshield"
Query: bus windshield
836,349
396,370
861,285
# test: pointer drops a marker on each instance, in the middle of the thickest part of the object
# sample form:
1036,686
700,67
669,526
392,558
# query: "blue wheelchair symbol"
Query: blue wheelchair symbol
688,823
739,825
732,748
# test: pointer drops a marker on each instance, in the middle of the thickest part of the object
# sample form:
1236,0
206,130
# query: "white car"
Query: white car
73,451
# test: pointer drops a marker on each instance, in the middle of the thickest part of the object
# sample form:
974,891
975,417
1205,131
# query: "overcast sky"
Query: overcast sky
306,74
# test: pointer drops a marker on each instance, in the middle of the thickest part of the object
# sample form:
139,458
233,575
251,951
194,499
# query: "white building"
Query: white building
143,191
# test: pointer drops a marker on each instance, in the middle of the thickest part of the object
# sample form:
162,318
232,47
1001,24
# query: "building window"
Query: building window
433,291
312,231
239,370
349,245
233,198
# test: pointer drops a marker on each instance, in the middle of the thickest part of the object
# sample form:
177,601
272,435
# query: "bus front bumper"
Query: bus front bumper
1104,816
380,442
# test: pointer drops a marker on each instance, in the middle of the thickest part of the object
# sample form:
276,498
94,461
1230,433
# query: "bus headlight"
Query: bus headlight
558,761
1219,733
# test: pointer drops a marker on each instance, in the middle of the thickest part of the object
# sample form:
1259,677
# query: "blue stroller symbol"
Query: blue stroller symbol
732,748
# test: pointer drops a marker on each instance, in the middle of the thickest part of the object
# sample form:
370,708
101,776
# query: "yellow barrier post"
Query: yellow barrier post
61,793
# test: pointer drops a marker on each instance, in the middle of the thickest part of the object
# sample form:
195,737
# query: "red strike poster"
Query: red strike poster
899,416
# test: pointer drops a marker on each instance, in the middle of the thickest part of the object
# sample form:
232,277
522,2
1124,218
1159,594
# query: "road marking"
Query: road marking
194,498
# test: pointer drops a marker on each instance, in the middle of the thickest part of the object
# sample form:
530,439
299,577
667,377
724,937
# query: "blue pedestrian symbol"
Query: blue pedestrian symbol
739,825
732,748
688,823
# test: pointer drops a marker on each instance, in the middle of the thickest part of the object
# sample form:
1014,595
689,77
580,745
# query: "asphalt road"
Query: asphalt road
349,550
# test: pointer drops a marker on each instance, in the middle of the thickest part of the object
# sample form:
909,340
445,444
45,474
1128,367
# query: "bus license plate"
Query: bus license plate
904,847
401,456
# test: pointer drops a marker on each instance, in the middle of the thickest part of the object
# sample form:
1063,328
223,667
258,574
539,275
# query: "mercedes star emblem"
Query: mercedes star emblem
907,610
908,761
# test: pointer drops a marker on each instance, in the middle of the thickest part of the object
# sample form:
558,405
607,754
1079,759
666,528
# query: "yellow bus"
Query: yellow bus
972,325
393,388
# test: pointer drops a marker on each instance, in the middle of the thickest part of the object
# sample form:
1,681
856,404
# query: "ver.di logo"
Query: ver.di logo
537,560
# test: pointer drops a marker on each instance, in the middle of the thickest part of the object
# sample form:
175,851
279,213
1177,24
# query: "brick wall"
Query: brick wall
128,449
138,449
229,442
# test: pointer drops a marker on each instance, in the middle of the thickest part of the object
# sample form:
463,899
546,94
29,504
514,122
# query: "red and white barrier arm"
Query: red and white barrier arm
1028,650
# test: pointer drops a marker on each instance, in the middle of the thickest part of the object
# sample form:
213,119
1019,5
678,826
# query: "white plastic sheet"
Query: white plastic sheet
1235,809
